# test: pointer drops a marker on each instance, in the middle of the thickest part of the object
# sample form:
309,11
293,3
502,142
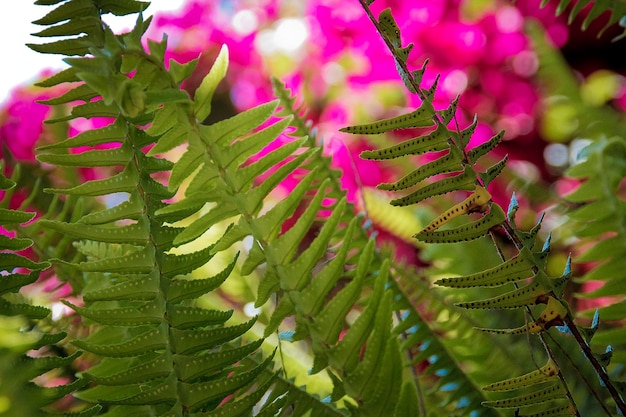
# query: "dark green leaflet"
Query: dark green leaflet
132,209
26,310
390,27
200,393
8,216
448,163
483,149
422,117
546,373
125,181
106,157
141,261
136,234
469,231
552,392
448,114
165,392
515,269
191,341
493,171
437,140
532,328
136,287
149,341
476,202
181,289
182,317
559,411
65,76
115,132
466,134
82,92
463,181
123,316
530,294
191,367
158,367
12,282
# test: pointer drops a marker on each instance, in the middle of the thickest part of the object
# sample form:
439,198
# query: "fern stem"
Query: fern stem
577,336
580,374
619,402
530,314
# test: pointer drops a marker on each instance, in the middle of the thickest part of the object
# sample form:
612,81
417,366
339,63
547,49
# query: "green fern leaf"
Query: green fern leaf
126,181
524,296
422,117
362,383
82,92
463,181
191,341
148,313
134,234
546,373
115,132
145,342
472,230
309,301
157,368
450,162
552,392
110,157
513,270
181,317
204,93
328,324
139,287
183,289
182,264
345,354
195,395
437,140
191,367
296,275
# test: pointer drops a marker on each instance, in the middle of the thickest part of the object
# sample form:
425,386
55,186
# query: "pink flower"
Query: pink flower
21,123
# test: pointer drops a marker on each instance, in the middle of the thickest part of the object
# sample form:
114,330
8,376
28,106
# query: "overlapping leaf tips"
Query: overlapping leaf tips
139,293
17,370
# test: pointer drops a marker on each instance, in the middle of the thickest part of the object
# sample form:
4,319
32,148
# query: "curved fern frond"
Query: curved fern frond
17,369
412,294
158,341
462,174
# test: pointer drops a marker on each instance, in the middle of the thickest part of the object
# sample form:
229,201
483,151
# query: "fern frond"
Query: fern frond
142,297
17,369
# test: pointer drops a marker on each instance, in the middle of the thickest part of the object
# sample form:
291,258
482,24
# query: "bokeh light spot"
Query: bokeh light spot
556,155
455,82
245,22
525,63
509,20
290,34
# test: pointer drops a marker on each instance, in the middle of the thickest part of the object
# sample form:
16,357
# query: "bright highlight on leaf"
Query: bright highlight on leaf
204,93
